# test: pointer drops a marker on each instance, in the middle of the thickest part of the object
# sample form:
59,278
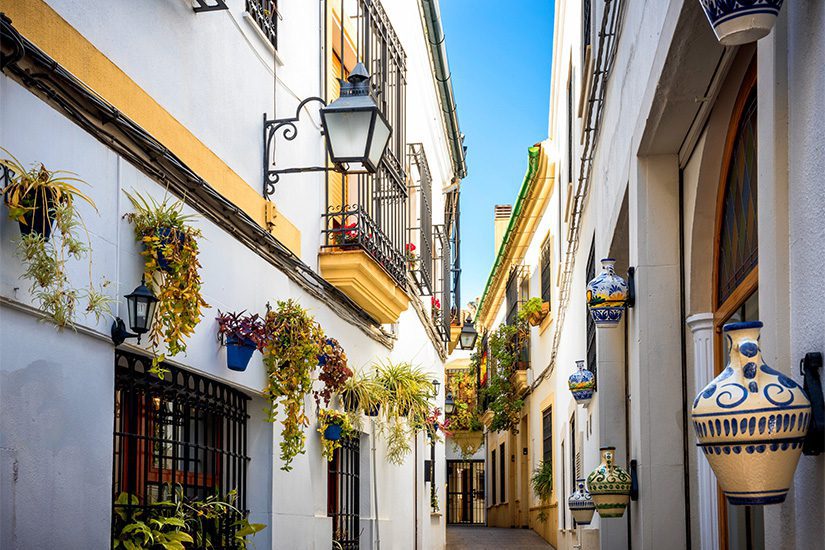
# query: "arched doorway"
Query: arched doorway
736,274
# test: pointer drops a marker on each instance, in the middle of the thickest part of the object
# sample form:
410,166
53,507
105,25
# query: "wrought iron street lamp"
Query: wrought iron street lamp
449,404
140,305
467,338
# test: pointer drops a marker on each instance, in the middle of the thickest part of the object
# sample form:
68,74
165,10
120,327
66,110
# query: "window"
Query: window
372,216
546,269
547,434
185,430
516,293
511,296
574,473
265,15
591,324
501,462
586,38
563,484
420,260
493,486
343,495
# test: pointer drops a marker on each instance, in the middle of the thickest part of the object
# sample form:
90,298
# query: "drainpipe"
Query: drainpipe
431,19
683,315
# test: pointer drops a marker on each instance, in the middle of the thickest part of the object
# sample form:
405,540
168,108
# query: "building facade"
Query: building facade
216,103
694,164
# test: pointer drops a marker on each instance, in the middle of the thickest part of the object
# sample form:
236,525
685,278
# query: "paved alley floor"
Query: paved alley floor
491,538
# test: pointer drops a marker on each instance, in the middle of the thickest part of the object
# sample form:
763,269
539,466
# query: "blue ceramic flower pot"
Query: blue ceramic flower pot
238,353
607,296
737,22
165,234
333,432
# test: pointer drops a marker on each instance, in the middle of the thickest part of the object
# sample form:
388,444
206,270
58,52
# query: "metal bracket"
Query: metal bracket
631,287
288,129
634,481
811,367
200,6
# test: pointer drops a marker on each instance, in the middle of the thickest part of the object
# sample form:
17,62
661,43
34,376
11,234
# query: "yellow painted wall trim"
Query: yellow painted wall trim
526,224
357,275
44,27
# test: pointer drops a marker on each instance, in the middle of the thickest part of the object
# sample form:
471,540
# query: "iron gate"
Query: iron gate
465,492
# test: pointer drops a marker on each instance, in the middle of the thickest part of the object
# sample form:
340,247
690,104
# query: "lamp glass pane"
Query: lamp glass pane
380,138
348,132
131,308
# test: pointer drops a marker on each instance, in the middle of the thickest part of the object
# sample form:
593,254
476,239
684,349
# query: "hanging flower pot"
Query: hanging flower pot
751,421
609,486
171,240
333,432
737,22
38,218
607,296
238,353
582,384
581,504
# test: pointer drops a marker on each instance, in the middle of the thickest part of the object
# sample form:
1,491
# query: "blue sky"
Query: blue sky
500,55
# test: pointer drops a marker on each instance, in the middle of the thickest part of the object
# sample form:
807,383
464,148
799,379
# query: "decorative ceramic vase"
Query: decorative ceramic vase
737,22
581,504
750,422
607,296
609,486
582,383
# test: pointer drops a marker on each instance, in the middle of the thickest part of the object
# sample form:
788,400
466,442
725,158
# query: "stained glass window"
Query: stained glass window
738,252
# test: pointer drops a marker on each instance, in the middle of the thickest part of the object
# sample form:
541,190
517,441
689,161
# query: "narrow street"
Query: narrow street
492,538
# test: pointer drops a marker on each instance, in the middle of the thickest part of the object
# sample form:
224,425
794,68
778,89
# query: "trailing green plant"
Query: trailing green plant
333,371
180,522
542,484
290,355
407,406
361,392
46,256
171,269
462,386
326,418
501,394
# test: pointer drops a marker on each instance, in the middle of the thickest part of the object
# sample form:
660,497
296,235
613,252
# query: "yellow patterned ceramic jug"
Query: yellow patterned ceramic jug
609,486
750,422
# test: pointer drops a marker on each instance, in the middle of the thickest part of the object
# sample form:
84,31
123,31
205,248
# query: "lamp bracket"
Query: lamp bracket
811,367
634,481
631,287
288,129
119,332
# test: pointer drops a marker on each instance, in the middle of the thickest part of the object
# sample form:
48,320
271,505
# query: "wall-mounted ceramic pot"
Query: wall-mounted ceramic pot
581,504
607,296
750,422
737,22
609,486
582,383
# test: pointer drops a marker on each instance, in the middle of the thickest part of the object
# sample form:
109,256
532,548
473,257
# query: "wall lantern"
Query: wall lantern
140,305
751,422
356,132
737,23
607,296
449,404
436,385
469,335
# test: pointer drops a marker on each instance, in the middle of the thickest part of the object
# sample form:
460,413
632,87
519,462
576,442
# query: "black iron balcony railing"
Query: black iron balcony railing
421,231
265,14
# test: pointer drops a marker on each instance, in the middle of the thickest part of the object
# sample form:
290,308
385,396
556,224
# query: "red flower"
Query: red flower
435,302
410,247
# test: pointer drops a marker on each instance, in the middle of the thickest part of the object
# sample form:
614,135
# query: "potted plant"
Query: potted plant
290,355
542,483
501,393
242,334
333,426
410,254
171,268
362,393
739,22
32,195
40,199
534,311
407,405
334,372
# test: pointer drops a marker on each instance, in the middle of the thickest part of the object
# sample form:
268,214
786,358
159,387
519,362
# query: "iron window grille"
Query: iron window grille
421,188
516,295
265,14
343,495
441,316
586,13
372,213
185,433
546,270
501,478
493,478
452,217
547,434
465,492
591,324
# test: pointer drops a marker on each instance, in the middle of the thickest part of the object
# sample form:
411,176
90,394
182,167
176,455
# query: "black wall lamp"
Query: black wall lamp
141,305
449,404
468,336
356,132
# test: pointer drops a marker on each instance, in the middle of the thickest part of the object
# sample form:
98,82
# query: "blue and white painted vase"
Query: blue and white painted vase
582,383
750,422
581,504
737,22
607,296
609,486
